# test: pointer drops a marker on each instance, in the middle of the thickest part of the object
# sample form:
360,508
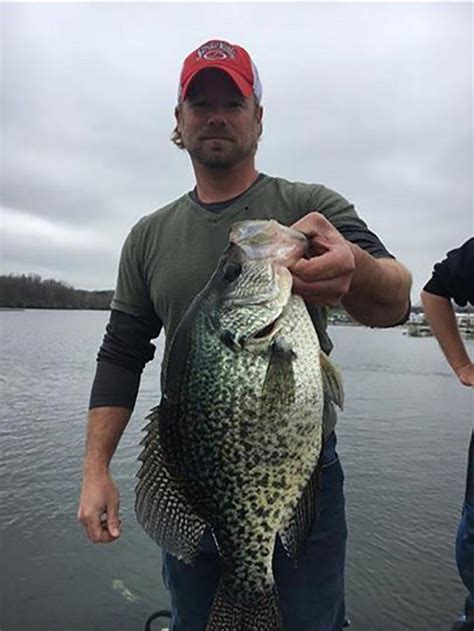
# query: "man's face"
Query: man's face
219,126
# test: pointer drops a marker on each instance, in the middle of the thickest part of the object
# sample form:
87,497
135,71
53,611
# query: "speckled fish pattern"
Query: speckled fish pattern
237,435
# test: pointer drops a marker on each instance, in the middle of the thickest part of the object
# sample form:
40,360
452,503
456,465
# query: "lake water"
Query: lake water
403,441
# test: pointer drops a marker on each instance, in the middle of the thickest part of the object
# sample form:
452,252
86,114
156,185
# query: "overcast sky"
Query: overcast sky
373,100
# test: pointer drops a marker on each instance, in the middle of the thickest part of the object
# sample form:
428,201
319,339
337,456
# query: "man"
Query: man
453,278
169,256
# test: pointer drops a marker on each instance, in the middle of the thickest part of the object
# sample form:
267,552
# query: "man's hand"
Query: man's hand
99,508
99,505
466,374
326,277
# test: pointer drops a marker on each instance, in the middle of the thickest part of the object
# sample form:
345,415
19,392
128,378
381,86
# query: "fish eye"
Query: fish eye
232,271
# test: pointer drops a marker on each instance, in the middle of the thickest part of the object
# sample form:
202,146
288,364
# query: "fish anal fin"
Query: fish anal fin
161,506
332,380
259,613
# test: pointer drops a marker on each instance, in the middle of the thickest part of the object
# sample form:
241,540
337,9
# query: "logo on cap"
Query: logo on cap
216,50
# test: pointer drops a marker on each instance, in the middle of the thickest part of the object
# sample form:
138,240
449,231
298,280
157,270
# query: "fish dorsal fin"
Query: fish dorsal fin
332,380
161,506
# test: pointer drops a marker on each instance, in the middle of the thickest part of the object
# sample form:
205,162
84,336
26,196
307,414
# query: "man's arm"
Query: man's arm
379,294
442,319
125,350
99,503
376,292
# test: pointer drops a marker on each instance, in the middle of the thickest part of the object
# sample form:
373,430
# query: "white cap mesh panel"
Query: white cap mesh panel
257,86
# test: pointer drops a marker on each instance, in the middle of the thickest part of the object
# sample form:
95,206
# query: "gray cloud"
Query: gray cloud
373,100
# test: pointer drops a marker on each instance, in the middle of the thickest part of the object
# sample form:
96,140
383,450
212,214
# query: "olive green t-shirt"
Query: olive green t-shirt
169,255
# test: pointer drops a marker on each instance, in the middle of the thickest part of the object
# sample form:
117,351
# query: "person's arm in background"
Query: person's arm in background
442,319
121,359
452,278
375,291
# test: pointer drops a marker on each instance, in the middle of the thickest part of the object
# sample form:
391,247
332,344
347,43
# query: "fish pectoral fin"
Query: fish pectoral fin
161,506
332,380
294,536
279,385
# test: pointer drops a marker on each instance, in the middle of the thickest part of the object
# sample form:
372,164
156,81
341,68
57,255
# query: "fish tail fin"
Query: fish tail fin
260,613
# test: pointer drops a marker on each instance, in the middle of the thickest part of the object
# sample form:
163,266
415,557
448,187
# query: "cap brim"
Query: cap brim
244,86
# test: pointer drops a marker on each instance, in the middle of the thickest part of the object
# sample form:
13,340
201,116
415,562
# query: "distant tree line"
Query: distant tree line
30,291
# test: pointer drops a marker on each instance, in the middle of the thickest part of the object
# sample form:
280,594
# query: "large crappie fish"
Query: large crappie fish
235,441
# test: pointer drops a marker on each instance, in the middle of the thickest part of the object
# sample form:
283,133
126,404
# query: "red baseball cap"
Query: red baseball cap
232,59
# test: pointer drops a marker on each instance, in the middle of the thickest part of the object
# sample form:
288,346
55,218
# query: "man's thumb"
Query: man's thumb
113,521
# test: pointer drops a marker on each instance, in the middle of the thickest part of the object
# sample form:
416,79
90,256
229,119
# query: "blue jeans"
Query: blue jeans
465,551
311,594
465,536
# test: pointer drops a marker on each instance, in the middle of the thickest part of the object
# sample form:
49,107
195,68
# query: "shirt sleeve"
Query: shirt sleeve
343,215
131,292
454,276
125,350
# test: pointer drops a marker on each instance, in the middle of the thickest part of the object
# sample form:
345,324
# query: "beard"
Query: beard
221,159
223,153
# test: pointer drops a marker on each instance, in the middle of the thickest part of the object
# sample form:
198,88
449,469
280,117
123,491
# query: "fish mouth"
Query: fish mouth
266,331
265,334
255,341
267,239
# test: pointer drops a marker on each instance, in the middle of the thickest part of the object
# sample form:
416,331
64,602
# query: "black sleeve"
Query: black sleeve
454,276
125,350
